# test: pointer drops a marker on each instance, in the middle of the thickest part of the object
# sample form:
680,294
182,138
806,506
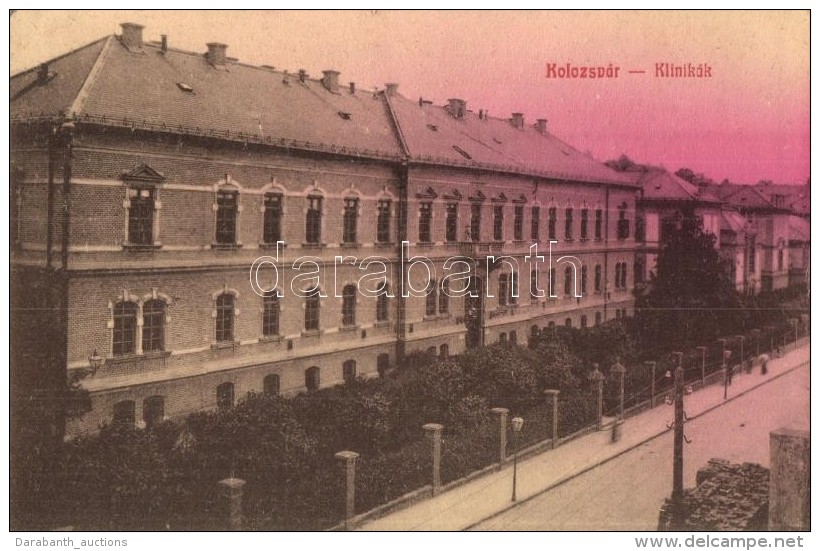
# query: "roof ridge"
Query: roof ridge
82,94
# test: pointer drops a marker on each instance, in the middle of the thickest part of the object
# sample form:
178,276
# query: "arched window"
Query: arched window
444,297
568,322
224,317
552,282
153,325
312,378
534,283
584,280
533,331
224,395
270,384
431,351
513,288
444,351
349,371
623,275
451,223
503,289
313,220
583,321
125,329
432,299
349,305
312,310
618,275
382,364
382,304
270,314
513,337
502,338
383,222
153,411
568,225
124,414
551,325
272,225
597,278
350,220
597,318
568,280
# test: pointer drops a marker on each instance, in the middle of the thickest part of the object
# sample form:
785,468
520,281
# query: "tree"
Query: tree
698,179
624,164
690,297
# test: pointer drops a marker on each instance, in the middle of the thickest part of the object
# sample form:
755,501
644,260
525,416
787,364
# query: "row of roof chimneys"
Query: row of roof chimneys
458,108
132,39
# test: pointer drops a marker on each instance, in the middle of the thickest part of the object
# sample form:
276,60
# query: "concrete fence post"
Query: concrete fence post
652,365
553,397
502,414
347,460
702,365
231,491
433,431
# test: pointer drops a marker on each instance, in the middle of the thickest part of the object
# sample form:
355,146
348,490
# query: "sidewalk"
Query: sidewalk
477,500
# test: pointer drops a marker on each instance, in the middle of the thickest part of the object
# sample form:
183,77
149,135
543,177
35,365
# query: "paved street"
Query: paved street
627,492
468,505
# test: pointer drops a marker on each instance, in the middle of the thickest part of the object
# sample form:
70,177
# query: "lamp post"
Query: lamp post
597,379
95,361
677,457
742,357
517,423
724,357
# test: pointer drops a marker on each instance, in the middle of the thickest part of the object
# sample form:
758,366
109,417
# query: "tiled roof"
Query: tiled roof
29,99
732,221
662,185
799,229
182,90
433,134
748,197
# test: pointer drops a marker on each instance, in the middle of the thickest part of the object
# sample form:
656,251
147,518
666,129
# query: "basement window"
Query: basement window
185,87
345,115
433,127
462,152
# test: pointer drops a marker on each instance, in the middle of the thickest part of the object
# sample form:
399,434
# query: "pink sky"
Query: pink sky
749,122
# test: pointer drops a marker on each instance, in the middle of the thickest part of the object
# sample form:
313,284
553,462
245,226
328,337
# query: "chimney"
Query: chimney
330,80
216,53
164,43
352,87
391,88
132,35
541,126
457,107
517,120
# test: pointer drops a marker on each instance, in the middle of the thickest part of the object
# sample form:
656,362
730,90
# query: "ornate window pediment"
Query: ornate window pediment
143,174
428,193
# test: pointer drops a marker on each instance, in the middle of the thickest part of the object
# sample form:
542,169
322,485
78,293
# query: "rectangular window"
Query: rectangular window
752,254
444,298
498,222
431,299
584,224
349,222
568,225
313,221
513,288
383,222
552,222
312,311
503,289
518,223
534,224
425,221
451,231
534,284
272,230
141,216
599,224
226,210
779,259
475,222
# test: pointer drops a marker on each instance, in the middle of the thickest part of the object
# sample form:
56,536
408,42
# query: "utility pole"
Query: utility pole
677,458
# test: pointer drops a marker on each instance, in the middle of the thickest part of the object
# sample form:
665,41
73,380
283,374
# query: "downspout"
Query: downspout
606,253
52,153
401,230
67,137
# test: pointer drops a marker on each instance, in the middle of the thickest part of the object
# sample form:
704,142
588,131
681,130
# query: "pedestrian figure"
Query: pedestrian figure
764,364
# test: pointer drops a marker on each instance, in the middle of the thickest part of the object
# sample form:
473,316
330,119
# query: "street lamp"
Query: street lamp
95,361
517,423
